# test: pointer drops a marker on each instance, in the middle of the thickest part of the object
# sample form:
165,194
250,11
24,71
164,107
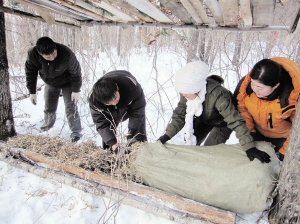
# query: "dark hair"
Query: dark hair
105,90
268,72
45,46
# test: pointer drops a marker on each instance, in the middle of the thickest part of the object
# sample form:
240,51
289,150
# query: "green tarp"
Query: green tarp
221,175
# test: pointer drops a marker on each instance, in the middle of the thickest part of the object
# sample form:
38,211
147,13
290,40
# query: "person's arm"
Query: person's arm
74,70
240,105
103,125
178,118
137,118
233,119
31,71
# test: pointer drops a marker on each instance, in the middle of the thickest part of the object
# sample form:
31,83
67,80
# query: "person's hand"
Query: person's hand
75,97
163,139
33,99
260,155
115,148
281,157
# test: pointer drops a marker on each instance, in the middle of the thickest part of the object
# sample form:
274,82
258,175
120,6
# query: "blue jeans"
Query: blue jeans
51,96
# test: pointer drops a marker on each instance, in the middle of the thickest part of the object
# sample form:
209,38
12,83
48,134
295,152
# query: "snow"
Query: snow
27,198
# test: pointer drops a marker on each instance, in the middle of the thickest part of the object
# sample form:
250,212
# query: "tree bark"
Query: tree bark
286,207
7,128
193,36
237,54
202,46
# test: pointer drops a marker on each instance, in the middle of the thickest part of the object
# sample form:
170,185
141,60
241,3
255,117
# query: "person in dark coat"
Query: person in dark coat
206,109
60,70
114,98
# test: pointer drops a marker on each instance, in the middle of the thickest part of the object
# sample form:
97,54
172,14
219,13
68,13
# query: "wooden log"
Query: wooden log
129,8
147,7
93,15
230,9
192,11
200,10
263,12
215,10
49,5
35,17
178,10
196,212
245,9
191,26
119,15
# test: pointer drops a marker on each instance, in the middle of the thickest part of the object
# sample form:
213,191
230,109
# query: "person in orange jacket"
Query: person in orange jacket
267,99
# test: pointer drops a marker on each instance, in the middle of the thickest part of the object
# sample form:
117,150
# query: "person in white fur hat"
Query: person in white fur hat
206,107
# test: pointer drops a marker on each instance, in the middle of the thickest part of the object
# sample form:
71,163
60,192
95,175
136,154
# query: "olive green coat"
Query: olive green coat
217,109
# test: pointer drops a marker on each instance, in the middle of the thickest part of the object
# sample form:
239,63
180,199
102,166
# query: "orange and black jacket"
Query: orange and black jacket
271,116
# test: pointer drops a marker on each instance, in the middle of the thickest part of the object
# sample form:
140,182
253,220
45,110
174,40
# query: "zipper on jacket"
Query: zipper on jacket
270,120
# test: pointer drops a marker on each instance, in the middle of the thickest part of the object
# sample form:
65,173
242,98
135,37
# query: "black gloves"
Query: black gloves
260,155
163,139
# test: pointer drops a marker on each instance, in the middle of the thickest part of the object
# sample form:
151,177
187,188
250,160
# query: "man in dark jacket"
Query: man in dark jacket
206,107
58,67
116,97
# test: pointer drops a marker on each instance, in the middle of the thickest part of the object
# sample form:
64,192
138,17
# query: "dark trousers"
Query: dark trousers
278,142
51,96
217,135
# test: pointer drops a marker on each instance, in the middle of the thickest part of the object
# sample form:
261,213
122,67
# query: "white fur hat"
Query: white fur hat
191,77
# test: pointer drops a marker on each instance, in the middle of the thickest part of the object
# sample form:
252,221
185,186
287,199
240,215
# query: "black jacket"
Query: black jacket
63,71
131,106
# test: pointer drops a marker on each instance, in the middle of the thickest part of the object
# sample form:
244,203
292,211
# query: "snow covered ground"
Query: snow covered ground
27,198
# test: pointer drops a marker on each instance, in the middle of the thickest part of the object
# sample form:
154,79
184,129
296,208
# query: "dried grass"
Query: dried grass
86,155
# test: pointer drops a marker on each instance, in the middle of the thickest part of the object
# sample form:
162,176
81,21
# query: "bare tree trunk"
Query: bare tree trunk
7,128
287,203
208,51
193,36
119,37
202,45
237,54
297,57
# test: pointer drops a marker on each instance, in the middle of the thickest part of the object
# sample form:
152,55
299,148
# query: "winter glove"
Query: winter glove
33,99
280,157
75,97
163,139
260,155
116,150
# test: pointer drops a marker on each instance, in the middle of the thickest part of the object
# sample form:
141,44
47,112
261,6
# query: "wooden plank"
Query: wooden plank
200,10
35,17
206,214
291,36
129,8
60,9
148,8
262,12
230,9
119,15
178,10
93,15
215,10
246,14
192,11
191,26
45,15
